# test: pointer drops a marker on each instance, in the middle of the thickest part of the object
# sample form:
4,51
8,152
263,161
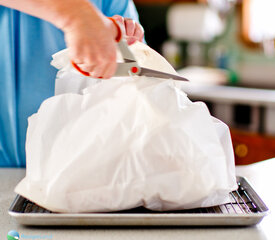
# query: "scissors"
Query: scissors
130,66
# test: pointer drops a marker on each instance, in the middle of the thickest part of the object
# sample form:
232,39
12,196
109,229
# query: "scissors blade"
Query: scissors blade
157,74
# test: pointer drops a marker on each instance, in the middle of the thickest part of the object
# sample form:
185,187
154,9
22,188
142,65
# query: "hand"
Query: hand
89,35
133,30
90,38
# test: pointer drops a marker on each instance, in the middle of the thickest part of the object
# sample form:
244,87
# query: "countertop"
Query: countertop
260,175
231,95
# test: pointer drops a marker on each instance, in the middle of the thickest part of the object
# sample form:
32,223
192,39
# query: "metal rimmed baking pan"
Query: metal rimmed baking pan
246,208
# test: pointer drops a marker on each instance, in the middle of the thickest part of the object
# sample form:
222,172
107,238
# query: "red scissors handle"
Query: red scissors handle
118,38
119,32
79,70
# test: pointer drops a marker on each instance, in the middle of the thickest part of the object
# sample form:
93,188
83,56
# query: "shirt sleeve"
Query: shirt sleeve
125,8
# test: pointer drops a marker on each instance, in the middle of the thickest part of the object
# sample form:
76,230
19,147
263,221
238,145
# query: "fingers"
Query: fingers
96,65
92,45
137,35
119,19
104,69
130,26
139,32
110,70
133,30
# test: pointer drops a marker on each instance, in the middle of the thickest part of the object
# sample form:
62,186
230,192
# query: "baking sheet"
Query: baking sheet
246,208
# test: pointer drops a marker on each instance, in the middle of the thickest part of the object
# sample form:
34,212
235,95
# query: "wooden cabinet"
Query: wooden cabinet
252,147
250,114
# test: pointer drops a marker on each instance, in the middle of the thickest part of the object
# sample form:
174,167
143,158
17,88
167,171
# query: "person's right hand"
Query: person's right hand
91,42
89,35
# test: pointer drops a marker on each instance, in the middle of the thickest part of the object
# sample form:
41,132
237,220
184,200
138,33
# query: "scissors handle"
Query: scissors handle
79,69
119,31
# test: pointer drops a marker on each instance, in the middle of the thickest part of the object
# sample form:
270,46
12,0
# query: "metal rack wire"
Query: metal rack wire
240,203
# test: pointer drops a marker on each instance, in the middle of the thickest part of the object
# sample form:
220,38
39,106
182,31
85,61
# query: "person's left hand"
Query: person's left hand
133,30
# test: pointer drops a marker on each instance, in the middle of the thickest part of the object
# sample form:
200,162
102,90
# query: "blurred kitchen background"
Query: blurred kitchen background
227,49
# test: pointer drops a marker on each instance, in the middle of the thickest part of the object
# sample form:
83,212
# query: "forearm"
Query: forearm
61,13
89,35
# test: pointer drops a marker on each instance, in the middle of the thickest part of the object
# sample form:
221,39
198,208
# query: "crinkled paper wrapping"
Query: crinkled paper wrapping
123,143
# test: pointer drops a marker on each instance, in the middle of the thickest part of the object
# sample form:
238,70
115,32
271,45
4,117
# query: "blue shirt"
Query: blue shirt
26,77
